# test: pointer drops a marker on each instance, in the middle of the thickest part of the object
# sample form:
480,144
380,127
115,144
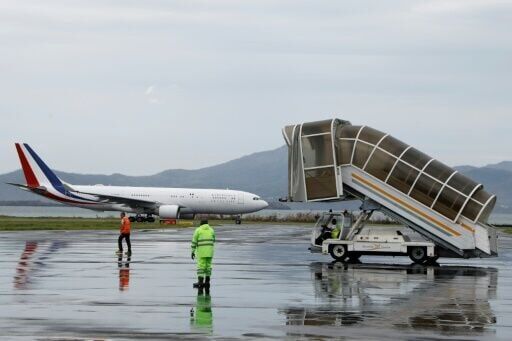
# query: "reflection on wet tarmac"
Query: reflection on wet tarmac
24,266
446,299
124,273
33,260
201,318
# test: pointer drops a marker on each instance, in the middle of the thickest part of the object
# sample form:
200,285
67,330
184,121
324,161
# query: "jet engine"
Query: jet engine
169,211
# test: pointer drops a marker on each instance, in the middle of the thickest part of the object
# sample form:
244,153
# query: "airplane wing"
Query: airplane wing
134,203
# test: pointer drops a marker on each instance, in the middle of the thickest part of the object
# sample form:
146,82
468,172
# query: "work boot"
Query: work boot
207,283
199,283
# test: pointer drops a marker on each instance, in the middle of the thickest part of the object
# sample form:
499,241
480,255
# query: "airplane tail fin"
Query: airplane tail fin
36,172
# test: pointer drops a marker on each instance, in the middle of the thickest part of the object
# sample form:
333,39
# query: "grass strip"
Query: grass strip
8,223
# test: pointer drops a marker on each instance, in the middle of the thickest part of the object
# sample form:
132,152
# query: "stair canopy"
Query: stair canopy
317,151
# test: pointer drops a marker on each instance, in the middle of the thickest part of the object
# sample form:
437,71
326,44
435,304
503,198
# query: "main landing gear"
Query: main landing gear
140,218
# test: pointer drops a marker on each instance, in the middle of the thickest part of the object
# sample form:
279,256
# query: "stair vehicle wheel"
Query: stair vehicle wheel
338,252
139,219
150,219
418,254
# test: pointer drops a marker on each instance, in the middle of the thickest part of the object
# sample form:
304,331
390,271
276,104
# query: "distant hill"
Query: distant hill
465,168
504,165
495,181
263,173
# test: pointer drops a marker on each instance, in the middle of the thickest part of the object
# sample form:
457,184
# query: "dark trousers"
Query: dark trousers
323,236
125,236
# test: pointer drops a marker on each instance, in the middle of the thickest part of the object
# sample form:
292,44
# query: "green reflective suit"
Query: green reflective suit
335,233
202,246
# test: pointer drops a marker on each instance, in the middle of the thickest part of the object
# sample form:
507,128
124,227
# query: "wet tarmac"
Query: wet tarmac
265,284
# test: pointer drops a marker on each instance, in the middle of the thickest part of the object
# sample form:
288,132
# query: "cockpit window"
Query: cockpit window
255,198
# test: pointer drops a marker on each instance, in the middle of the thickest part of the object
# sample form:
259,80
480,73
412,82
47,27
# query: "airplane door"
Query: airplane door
319,162
240,198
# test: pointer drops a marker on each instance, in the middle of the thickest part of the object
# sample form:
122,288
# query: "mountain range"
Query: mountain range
263,173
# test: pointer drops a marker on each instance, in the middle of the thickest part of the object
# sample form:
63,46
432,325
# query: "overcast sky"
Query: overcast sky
95,85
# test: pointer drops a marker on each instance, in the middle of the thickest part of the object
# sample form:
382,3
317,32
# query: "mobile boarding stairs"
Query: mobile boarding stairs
333,160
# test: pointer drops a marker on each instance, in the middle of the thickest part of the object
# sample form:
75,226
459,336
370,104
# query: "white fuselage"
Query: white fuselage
190,200
168,203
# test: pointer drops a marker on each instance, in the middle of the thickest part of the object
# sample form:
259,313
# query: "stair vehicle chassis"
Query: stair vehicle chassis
355,241
333,160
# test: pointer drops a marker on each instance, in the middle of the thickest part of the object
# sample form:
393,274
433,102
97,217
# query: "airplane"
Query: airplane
167,203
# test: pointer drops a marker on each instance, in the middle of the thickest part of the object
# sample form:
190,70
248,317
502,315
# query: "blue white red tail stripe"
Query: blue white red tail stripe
27,170
54,180
38,175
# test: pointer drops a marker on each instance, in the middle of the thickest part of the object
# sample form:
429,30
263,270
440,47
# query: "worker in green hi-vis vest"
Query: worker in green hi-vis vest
202,250
336,230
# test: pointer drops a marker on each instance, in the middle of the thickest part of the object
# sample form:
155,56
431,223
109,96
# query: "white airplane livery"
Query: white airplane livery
167,203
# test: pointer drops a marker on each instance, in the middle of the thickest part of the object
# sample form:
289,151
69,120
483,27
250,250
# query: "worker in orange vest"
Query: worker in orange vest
124,234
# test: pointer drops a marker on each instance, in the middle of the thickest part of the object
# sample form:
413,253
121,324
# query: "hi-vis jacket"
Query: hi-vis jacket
125,226
203,240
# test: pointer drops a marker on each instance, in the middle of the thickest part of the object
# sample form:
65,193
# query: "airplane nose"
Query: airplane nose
264,204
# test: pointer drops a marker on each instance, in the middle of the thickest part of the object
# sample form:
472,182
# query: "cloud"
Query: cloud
151,95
